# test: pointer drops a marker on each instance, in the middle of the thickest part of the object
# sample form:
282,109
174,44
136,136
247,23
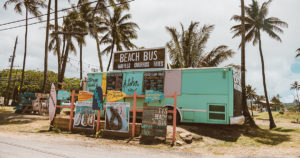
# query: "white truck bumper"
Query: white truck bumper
237,120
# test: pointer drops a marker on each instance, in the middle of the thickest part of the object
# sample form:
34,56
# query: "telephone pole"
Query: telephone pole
11,66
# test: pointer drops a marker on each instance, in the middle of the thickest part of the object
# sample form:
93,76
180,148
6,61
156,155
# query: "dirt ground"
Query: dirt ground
219,140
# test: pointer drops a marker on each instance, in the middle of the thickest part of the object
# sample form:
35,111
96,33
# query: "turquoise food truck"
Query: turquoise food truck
205,95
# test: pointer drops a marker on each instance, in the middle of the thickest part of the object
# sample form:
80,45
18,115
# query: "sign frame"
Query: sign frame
147,69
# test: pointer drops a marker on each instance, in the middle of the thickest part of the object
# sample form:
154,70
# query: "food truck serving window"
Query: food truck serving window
154,81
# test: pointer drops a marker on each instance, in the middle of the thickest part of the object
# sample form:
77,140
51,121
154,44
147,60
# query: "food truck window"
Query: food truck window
154,81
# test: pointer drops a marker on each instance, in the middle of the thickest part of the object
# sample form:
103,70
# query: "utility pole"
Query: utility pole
11,66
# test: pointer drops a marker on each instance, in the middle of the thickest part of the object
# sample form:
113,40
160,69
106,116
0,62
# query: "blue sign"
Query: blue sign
94,80
63,95
133,81
152,95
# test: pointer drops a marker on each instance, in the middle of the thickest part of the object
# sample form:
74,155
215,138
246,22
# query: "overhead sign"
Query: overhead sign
152,95
63,95
113,96
84,96
117,117
154,121
140,59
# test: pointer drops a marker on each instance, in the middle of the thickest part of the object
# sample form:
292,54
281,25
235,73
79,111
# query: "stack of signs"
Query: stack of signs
154,121
117,117
84,114
152,95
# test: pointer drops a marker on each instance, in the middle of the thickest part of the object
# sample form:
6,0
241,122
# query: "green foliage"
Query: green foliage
33,81
298,54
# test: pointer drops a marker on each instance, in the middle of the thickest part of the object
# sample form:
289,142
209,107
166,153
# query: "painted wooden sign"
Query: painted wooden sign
154,81
114,81
94,80
139,59
154,121
113,96
85,96
84,115
152,95
63,95
52,102
117,117
133,81
103,85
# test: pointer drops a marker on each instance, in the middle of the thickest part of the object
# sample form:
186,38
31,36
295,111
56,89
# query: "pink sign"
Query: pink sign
172,82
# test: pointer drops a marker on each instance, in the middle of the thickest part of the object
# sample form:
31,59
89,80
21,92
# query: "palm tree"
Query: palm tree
251,94
31,7
296,86
187,48
256,21
46,47
298,55
119,32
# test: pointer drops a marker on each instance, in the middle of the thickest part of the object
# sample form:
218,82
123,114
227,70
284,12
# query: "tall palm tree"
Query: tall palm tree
298,55
251,94
256,20
46,47
187,48
31,7
119,32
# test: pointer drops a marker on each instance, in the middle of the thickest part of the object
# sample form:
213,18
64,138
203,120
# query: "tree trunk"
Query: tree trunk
46,48
99,53
64,62
57,44
272,123
80,61
251,108
111,54
25,50
10,72
248,119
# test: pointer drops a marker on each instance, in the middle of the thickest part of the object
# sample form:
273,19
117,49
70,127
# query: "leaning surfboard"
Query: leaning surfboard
52,102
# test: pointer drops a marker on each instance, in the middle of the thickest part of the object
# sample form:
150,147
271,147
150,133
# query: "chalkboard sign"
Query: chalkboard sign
114,81
154,121
154,81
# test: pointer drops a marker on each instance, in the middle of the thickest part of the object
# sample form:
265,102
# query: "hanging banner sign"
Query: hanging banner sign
154,121
113,96
63,95
84,96
94,80
152,95
140,59
117,117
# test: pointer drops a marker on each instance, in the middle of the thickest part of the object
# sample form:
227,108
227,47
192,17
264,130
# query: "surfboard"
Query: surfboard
52,102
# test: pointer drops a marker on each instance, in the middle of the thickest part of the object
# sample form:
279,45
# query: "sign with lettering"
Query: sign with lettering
140,59
84,115
113,96
85,96
152,95
154,81
114,81
117,117
154,121
63,95
133,81
94,80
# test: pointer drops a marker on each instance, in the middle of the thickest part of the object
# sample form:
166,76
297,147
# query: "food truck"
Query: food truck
204,95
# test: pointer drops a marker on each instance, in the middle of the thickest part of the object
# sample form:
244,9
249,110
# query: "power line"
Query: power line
9,28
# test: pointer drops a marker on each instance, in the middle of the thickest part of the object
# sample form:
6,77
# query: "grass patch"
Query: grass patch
287,116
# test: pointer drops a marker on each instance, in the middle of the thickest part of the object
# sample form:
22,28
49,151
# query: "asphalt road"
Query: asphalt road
26,148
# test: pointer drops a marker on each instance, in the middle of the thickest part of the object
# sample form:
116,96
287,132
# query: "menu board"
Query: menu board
114,81
154,121
154,81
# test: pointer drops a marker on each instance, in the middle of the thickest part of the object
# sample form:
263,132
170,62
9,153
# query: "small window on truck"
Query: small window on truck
217,112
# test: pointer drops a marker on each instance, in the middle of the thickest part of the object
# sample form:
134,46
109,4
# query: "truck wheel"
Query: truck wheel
170,117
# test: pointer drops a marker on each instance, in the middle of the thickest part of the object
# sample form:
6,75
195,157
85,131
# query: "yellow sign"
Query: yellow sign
113,96
84,96
103,84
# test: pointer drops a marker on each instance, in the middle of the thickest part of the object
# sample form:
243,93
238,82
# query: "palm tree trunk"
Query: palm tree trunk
25,50
64,62
57,44
80,61
272,123
251,108
46,48
111,54
248,119
99,53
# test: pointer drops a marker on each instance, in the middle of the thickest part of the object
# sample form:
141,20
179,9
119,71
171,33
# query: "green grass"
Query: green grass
287,116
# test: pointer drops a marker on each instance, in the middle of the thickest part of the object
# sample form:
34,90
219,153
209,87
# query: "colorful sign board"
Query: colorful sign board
152,95
103,85
85,96
114,81
117,117
154,81
154,121
98,99
113,96
140,59
63,95
52,102
133,81
84,115
94,80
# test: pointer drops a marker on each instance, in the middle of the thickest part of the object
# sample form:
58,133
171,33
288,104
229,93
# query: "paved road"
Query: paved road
23,148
